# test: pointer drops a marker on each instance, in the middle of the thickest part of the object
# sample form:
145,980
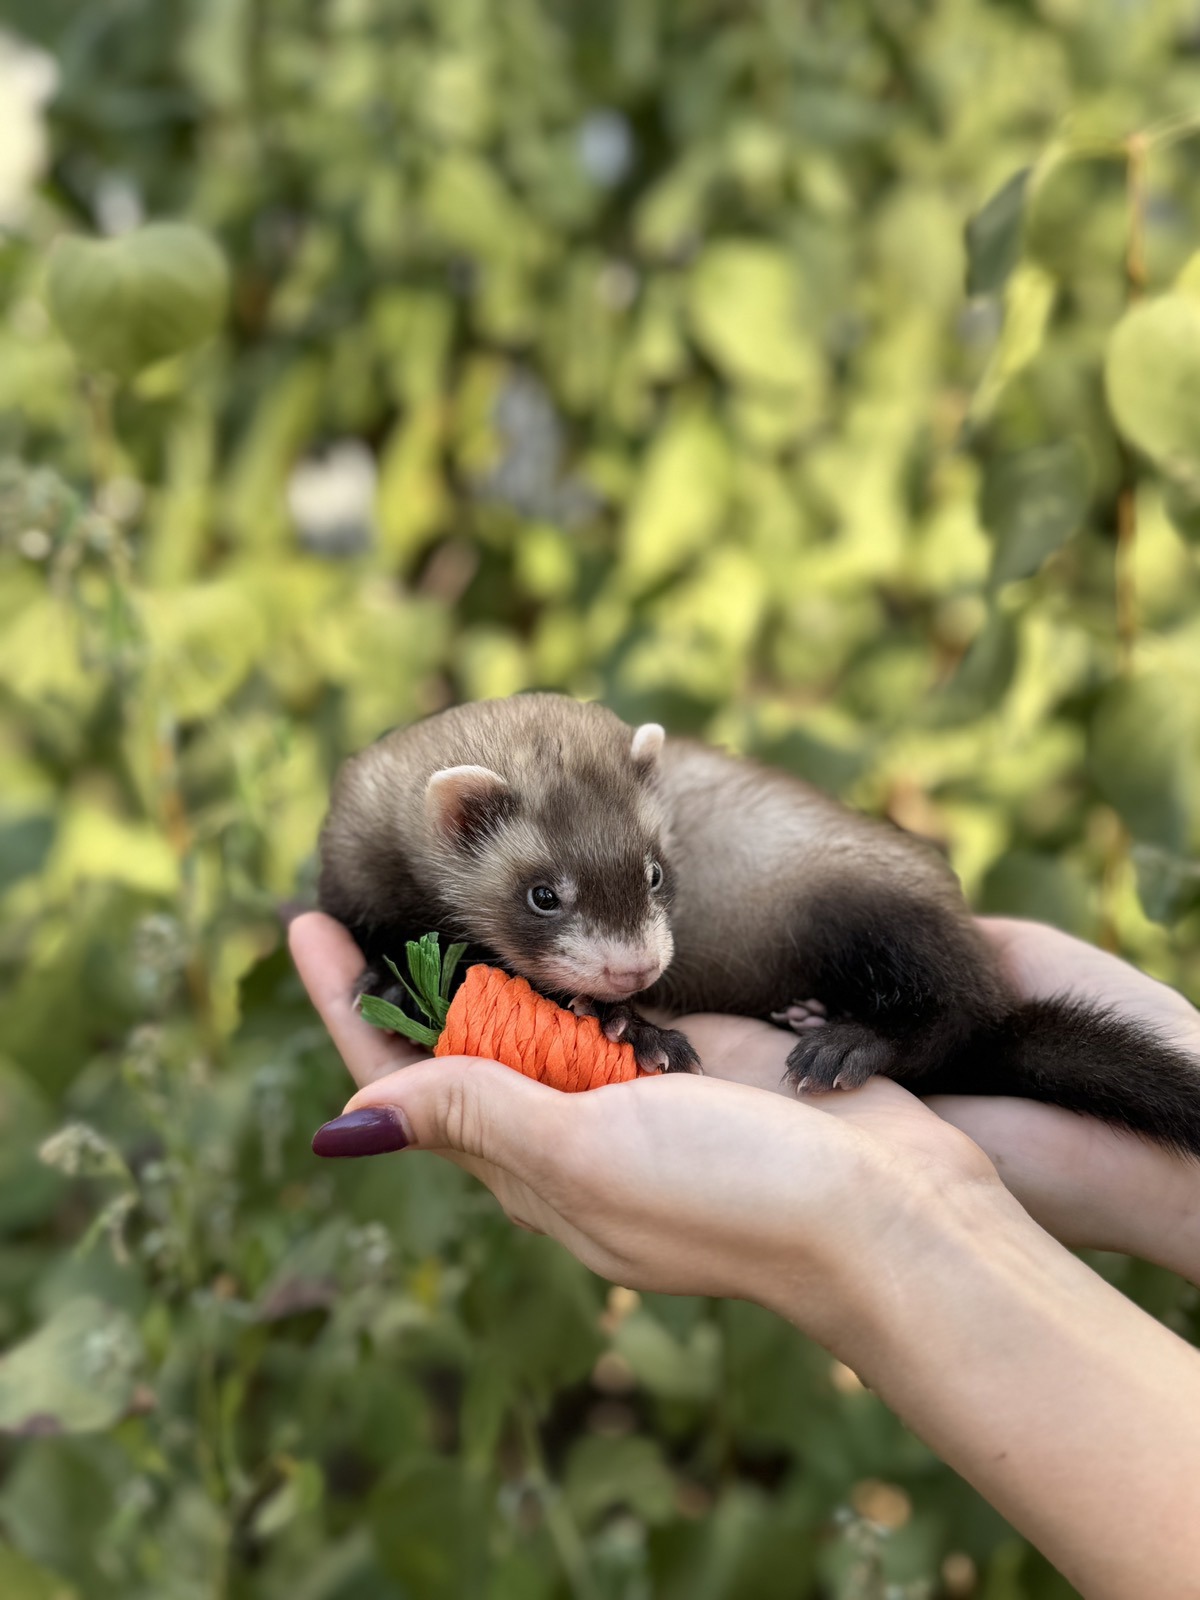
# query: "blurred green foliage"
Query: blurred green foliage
820,378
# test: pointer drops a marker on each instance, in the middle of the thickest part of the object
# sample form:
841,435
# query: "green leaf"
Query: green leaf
1024,883
677,1369
1187,279
1029,297
298,1495
24,845
1181,502
1168,885
1139,757
28,1191
994,236
984,674
1031,503
748,308
21,1579
205,639
1152,378
605,1473
125,303
429,1528
680,501
76,1374
1077,217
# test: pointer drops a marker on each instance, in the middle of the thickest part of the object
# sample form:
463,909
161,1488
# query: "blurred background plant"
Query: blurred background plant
824,380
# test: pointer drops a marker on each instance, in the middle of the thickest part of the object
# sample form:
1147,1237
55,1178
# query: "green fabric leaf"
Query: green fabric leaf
383,1014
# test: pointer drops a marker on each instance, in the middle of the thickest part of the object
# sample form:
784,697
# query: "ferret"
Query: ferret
603,862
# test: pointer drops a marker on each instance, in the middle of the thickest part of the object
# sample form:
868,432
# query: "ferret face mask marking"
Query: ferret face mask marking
607,935
586,915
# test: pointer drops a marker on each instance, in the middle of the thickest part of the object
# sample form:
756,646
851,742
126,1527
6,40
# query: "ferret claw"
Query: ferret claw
655,1049
840,1056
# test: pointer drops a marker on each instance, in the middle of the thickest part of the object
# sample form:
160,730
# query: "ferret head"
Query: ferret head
554,852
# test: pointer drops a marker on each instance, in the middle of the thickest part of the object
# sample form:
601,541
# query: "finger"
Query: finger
479,1110
539,1151
329,962
1041,960
1044,962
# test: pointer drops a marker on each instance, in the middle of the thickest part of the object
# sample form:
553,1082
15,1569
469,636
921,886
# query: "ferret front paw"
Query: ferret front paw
655,1049
379,979
840,1055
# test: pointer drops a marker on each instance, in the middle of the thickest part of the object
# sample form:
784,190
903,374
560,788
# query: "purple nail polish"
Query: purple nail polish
369,1132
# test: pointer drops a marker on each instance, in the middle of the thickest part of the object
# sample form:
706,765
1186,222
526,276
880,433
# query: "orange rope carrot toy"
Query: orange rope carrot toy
502,1019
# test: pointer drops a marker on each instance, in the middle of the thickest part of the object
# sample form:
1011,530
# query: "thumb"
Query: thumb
456,1104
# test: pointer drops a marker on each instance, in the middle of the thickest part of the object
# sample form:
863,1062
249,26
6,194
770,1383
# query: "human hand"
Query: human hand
684,1184
1087,1183
871,1224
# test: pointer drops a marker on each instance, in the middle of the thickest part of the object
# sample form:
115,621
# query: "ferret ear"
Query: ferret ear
464,802
647,746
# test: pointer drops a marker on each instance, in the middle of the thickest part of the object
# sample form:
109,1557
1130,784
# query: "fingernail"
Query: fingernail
369,1132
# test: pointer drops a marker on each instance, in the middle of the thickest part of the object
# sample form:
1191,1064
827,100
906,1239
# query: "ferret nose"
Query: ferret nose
632,979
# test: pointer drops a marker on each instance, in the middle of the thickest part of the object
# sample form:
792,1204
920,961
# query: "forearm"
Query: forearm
1068,1408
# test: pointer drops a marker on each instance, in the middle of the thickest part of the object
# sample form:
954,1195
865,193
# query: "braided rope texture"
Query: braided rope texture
502,1019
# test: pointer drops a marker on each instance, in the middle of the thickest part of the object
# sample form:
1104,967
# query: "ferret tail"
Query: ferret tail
1086,1058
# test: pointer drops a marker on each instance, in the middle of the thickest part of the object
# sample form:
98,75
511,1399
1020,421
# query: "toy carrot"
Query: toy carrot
503,1019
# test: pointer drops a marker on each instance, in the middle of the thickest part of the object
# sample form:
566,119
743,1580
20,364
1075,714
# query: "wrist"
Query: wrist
966,1238
894,1227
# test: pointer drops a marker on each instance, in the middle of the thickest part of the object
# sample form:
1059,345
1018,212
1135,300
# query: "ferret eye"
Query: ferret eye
654,874
542,898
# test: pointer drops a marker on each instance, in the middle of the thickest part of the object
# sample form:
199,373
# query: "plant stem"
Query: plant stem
1125,575
99,397
1116,854
1137,150
559,1522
